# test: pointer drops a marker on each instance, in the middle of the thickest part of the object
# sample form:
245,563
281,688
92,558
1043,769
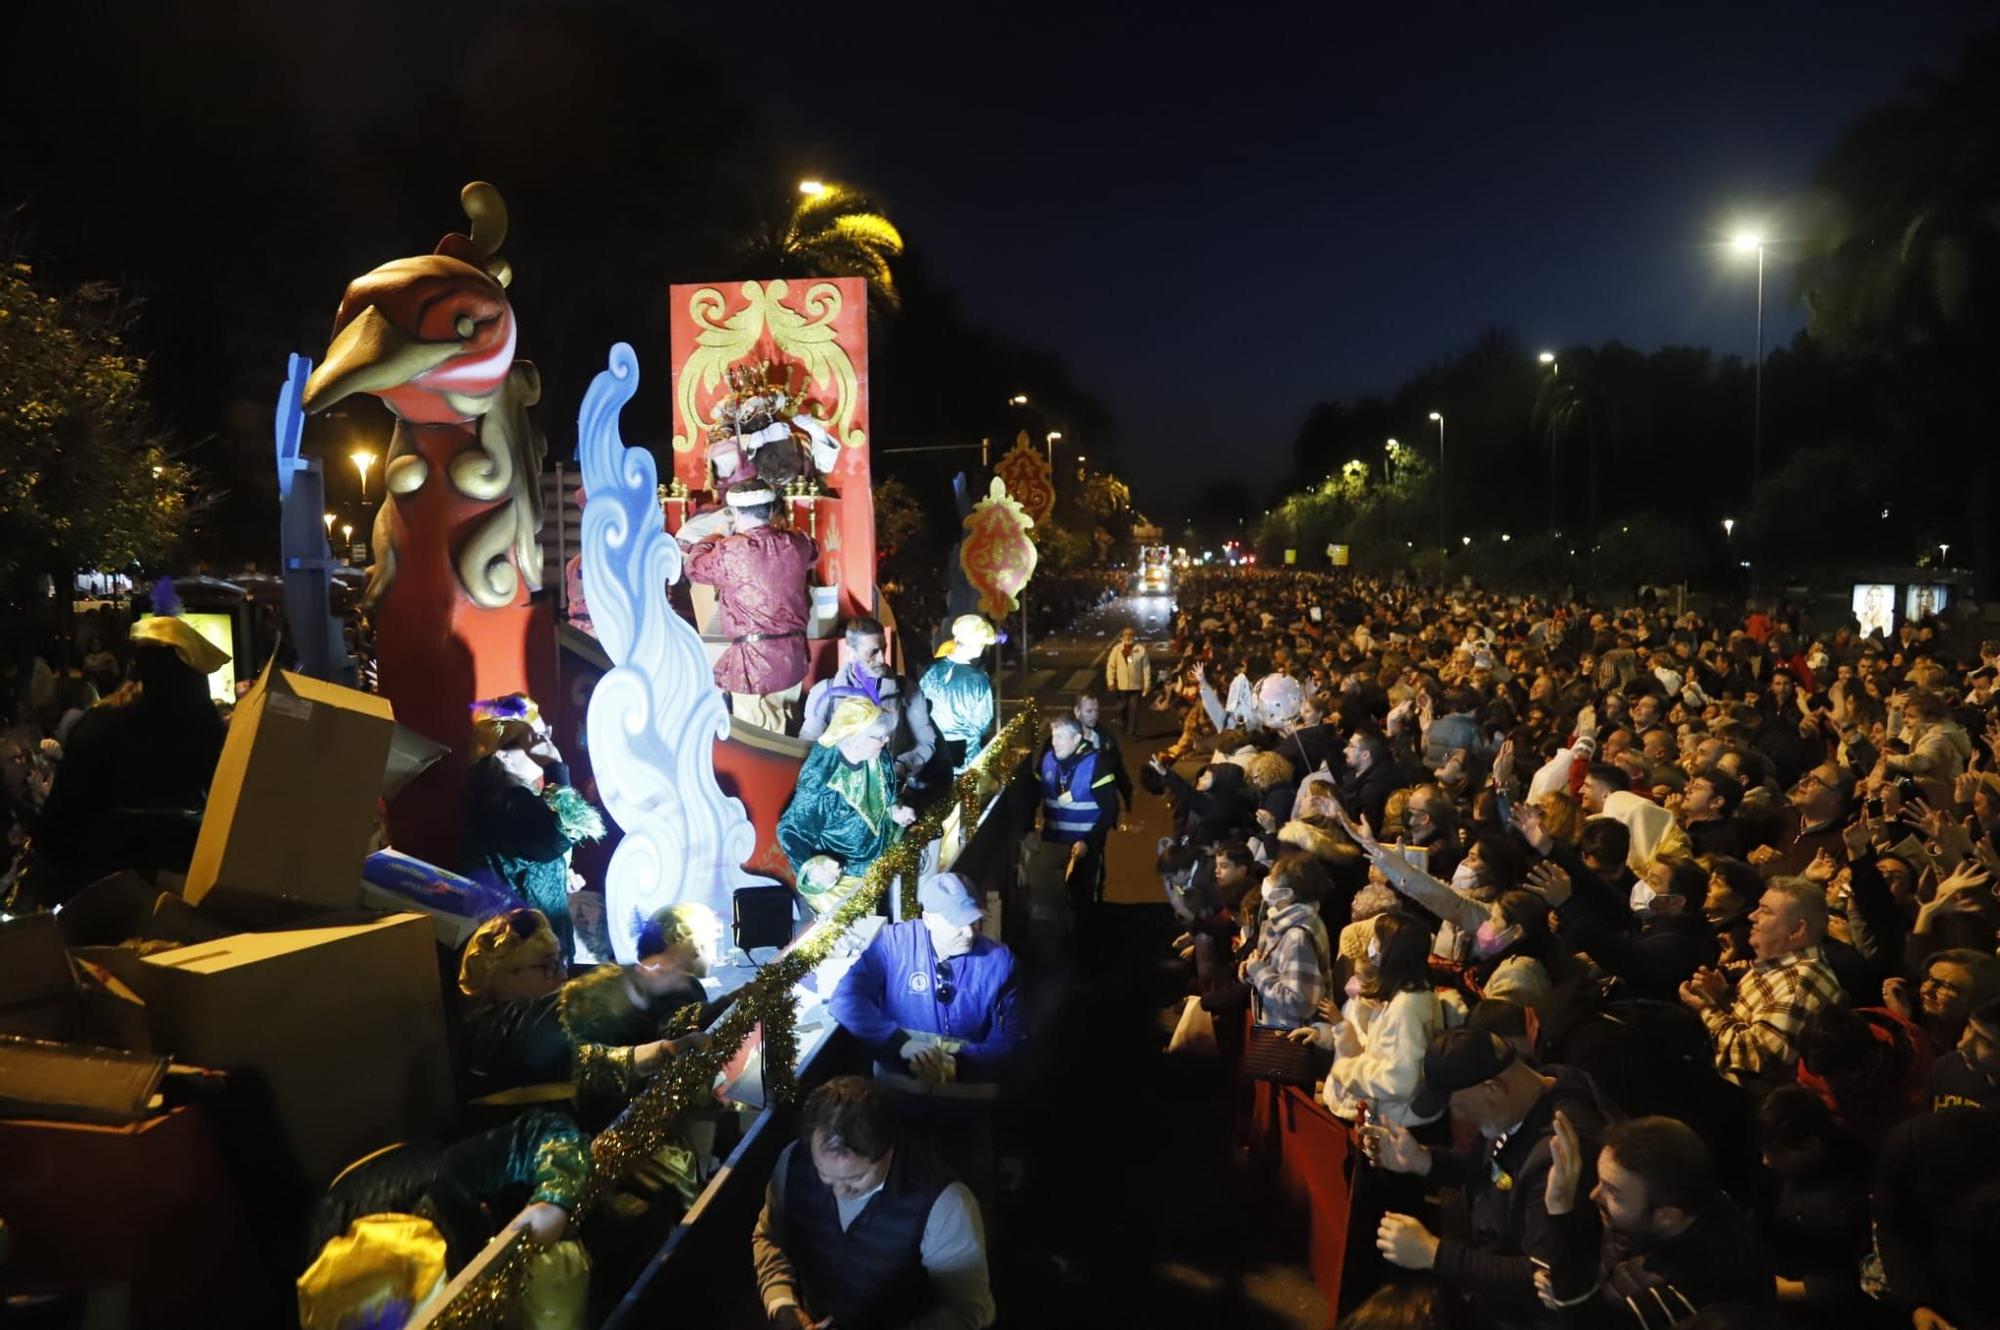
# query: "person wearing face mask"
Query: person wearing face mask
934,998
1390,1014
1288,970
1671,938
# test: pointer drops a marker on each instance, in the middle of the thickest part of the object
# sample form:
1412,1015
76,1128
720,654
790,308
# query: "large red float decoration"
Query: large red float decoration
433,338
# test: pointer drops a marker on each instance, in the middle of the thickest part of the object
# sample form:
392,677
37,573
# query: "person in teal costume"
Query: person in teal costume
525,818
844,810
960,693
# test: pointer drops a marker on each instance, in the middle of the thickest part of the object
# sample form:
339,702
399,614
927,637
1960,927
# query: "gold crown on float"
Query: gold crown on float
759,393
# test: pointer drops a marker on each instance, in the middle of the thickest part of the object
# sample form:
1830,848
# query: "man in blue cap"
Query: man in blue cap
933,998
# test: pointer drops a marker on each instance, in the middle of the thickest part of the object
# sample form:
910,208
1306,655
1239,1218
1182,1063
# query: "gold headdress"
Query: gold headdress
516,940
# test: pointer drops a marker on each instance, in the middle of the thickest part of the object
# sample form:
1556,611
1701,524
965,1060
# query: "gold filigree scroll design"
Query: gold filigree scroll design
1026,472
806,335
507,465
996,554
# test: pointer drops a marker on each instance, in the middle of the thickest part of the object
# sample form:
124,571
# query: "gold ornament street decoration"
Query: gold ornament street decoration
1026,472
766,1001
995,553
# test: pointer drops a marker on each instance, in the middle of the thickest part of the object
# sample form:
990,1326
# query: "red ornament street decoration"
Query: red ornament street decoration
1026,472
996,553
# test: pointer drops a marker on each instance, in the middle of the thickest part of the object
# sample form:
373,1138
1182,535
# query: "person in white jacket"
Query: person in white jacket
1385,1026
1128,673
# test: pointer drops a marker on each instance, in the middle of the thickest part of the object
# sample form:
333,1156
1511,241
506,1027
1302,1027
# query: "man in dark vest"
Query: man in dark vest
862,1230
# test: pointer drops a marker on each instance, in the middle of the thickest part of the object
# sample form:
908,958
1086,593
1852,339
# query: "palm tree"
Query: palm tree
831,230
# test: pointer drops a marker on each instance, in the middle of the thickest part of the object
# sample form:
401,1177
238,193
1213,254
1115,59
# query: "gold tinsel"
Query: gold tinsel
642,1129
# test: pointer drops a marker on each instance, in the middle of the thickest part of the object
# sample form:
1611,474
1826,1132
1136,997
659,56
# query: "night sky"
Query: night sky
1219,221
1216,221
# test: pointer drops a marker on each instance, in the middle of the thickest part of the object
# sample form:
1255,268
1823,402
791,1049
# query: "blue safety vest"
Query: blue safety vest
1069,799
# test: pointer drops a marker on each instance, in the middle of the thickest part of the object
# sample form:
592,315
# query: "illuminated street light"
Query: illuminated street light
363,459
1728,528
1438,416
1018,399
812,189
1944,552
1504,537
329,526
347,532
1465,540
1747,242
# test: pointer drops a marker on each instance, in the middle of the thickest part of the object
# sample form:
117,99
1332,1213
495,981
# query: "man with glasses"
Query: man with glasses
1810,823
1707,812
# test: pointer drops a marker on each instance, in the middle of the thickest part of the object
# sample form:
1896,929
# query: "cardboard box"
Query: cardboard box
346,1024
293,800
38,990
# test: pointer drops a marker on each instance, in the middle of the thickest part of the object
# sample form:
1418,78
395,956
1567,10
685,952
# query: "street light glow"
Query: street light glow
1391,446
1547,357
1439,418
1055,436
1018,399
812,189
1728,526
1747,242
329,526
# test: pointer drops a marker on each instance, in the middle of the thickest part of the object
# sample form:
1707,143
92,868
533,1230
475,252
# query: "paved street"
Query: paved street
1062,667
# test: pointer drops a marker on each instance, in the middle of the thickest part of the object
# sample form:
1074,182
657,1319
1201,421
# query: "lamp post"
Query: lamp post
347,538
1746,242
1555,371
328,518
1438,416
1728,530
1389,463
363,459
1054,437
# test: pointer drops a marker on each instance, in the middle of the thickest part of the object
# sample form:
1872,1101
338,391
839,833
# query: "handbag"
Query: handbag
1271,1056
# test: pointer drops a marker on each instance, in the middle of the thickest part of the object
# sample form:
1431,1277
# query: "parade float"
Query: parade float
769,385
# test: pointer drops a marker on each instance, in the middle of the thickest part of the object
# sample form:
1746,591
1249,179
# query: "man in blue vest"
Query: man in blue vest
862,1230
1079,807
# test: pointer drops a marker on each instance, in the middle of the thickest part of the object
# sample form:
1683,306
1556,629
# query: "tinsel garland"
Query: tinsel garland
767,1001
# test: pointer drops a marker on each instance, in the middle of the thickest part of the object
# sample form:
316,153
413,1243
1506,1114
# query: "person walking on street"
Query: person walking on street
1128,673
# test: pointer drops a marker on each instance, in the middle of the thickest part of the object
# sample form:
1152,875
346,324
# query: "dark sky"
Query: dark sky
1219,220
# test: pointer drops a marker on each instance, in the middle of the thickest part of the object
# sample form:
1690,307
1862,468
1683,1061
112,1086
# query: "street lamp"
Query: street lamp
1728,529
1746,242
363,459
1438,416
329,527
1944,552
1388,471
1549,358
812,189
1054,436
347,533
1555,371
1018,399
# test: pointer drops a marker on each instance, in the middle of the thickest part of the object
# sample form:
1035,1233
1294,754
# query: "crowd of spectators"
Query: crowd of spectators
1651,957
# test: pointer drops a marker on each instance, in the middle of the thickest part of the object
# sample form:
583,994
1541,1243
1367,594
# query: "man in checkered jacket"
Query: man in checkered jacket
1756,1029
